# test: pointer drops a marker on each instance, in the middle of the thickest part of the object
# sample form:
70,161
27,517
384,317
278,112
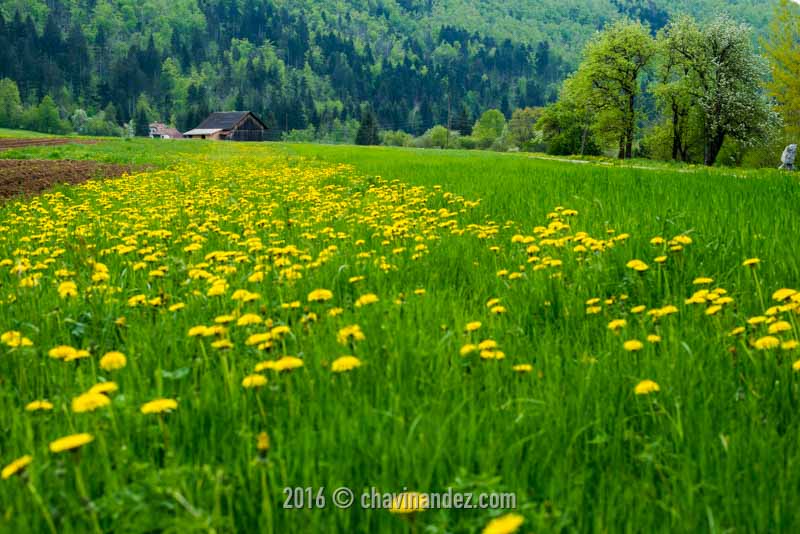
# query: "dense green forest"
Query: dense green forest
304,63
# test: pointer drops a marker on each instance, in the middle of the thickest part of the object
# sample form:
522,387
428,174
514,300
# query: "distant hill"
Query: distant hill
315,62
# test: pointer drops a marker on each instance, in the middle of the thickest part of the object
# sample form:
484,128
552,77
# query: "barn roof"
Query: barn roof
203,131
225,120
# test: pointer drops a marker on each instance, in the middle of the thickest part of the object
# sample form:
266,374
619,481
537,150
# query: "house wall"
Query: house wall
249,130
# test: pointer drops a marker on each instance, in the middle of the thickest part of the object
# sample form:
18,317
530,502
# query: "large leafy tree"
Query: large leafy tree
673,86
721,82
783,51
610,77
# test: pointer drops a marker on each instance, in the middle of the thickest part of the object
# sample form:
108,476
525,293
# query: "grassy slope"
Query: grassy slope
717,450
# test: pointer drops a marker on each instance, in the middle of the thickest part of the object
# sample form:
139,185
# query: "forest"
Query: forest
406,72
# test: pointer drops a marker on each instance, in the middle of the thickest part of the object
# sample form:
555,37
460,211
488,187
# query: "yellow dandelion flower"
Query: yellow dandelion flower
16,467
254,381
522,368
345,363
617,324
751,262
638,309
137,300
257,339
67,289
72,442
277,332
767,342
712,310
633,345
737,331
792,344
14,339
104,388
472,326
467,349
796,366
113,361
244,295
89,402
645,387
264,366
197,331
177,307
637,265
39,405
409,503
222,344
350,334
703,280
320,295
159,406
77,355
492,354
660,259
653,338
783,294
224,319
249,319
333,312
364,300
593,310
288,363
262,443
505,524
780,326
61,352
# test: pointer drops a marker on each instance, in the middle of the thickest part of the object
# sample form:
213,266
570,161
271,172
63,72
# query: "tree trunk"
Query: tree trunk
583,139
630,126
629,146
676,135
621,154
713,148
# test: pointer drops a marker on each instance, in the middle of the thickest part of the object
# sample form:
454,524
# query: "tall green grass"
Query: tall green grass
714,450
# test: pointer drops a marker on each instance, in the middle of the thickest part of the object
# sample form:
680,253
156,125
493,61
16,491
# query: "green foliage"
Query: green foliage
609,80
522,130
567,124
489,127
397,138
368,130
142,117
10,104
45,118
783,51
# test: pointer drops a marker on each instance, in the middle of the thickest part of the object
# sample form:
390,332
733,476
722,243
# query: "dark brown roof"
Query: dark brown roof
226,120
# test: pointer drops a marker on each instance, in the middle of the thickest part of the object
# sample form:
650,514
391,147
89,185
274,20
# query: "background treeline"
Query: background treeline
306,63
404,72
294,67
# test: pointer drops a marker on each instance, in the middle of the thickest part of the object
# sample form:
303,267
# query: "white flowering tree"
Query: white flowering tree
717,77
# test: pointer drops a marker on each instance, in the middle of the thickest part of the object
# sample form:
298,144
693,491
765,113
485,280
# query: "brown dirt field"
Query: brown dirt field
11,143
32,176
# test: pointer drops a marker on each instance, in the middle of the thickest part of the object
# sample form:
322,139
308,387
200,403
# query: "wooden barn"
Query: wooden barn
230,126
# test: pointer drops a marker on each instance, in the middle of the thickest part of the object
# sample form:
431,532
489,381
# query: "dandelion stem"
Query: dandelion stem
45,512
85,496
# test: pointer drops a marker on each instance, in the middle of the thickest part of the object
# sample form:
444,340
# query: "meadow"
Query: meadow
616,346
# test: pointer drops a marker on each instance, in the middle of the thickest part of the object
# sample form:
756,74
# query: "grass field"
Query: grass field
205,275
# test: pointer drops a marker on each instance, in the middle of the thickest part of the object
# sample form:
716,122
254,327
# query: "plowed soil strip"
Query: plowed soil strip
32,176
11,143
